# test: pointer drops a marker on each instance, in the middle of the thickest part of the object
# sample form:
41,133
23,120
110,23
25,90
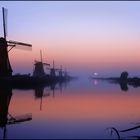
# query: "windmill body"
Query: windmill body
53,71
39,70
5,67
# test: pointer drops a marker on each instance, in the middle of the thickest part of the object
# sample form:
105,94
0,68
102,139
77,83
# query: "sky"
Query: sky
85,37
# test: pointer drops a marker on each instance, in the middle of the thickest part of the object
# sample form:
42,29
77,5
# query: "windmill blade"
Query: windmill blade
41,56
19,119
10,42
19,45
4,14
46,64
41,62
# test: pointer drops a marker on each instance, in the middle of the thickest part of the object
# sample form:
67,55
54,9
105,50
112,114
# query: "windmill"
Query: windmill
62,73
5,66
53,70
39,67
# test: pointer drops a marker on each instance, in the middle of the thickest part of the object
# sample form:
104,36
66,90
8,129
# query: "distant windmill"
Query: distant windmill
5,66
53,70
62,73
39,67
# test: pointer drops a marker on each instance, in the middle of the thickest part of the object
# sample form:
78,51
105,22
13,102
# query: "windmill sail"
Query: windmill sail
4,13
19,119
19,43
41,56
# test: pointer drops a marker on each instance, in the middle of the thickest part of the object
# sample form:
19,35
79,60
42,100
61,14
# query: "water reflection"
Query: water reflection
78,109
5,117
124,86
52,87
95,82
40,92
5,97
132,131
125,133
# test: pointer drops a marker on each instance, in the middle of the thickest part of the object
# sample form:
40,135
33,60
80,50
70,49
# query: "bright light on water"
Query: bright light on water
96,74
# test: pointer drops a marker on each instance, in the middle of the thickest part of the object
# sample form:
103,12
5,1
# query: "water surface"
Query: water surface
79,109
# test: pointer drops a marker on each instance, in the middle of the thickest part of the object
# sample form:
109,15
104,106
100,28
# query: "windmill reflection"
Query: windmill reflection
58,86
52,88
43,91
5,117
62,85
39,94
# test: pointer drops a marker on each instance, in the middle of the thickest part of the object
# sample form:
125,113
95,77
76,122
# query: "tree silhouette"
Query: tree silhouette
124,76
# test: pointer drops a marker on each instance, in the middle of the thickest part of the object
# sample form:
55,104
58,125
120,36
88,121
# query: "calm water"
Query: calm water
83,108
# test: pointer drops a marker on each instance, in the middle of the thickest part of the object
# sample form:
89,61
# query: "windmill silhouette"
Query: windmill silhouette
53,71
39,67
5,66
